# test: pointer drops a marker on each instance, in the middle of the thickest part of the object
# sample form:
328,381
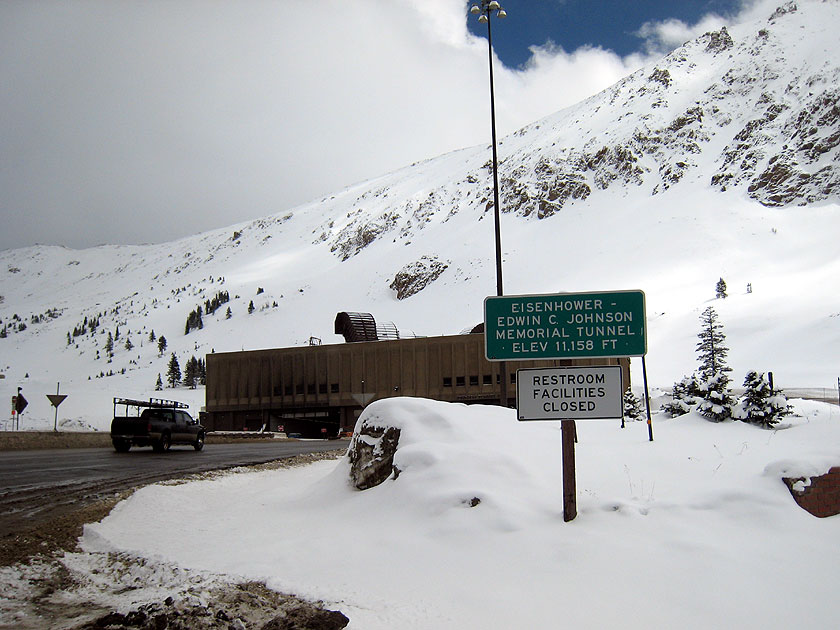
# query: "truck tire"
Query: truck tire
163,444
199,442
121,446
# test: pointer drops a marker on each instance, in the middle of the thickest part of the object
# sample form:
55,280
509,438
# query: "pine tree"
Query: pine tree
761,404
202,372
684,395
632,406
716,400
191,373
128,344
109,345
228,314
251,307
720,289
173,374
161,345
152,335
158,384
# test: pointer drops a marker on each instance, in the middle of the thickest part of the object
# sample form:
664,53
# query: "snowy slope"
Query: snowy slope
720,160
693,530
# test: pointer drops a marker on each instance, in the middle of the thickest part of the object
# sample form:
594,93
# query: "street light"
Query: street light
485,10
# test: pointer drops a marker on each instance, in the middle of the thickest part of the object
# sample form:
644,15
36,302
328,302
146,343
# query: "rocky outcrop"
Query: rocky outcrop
416,276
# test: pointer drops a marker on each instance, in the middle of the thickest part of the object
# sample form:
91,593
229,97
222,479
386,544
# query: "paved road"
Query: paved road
38,485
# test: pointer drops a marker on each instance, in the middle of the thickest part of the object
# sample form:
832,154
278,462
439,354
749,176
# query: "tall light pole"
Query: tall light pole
485,9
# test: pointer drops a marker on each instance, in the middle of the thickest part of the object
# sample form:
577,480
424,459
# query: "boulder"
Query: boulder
371,455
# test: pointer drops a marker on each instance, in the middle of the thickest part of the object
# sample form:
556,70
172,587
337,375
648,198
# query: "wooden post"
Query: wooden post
568,430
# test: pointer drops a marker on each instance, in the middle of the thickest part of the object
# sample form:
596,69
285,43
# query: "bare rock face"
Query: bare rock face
416,276
371,456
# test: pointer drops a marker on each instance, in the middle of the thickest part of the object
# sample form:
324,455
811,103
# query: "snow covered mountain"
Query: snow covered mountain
719,161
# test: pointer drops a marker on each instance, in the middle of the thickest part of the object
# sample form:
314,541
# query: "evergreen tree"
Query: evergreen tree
152,335
228,314
720,289
761,404
632,406
251,307
684,395
158,384
191,373
161,345
194,321
128,344
173,374
716,400
202,372
109,345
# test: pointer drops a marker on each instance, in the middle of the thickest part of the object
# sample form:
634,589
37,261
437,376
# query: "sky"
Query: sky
128,123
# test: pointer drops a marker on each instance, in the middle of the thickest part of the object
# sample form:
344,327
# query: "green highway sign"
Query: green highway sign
565,326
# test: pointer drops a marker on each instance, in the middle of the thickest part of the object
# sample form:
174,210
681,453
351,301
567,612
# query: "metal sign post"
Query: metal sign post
55,400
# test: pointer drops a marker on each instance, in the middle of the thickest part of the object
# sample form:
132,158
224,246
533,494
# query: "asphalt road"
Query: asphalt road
38,485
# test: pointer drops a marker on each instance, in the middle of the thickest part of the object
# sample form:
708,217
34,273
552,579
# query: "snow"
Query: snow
694,530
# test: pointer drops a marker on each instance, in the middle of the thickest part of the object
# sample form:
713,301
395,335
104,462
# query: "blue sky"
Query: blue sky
571,24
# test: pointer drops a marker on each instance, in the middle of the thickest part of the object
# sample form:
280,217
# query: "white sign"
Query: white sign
570,393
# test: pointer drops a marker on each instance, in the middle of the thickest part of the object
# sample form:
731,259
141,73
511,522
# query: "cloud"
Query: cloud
130,122
661,37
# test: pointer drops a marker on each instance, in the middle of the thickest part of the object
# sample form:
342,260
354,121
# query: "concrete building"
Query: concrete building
320,390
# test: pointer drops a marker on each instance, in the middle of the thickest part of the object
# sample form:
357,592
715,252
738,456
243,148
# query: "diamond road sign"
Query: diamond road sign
565,326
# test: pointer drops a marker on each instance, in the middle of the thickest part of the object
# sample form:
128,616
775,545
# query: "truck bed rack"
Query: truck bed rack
157,403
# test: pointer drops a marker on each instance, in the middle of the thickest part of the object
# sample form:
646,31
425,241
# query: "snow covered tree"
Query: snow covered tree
173,374
128,344
714,381
684,396
716,403
228,314
720,289
632,406
251,307
761,404
159,383
152,336
161,345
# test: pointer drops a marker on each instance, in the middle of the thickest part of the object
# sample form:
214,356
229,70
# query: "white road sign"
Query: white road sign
570,393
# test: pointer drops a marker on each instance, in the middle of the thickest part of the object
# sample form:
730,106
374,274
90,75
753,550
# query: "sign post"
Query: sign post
55,400
568,394
567,326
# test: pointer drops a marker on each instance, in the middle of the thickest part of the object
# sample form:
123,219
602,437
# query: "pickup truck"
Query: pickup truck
157,423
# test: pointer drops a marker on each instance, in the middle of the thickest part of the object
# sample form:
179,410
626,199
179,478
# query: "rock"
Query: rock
416,276
308,619
371,455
